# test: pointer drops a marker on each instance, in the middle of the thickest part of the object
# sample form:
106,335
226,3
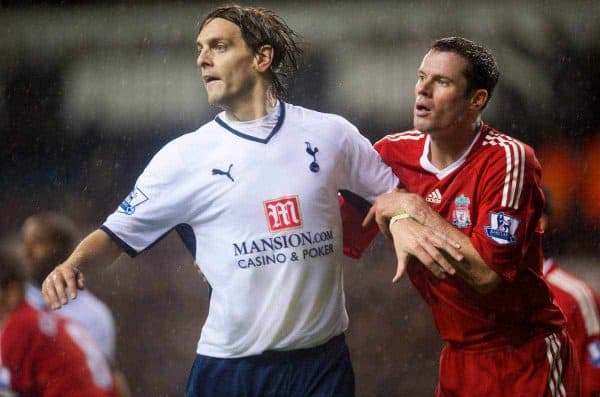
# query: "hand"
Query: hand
388,204
62,279
425,244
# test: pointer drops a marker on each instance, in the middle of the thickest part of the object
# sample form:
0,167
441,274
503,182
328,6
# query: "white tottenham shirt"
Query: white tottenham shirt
257,205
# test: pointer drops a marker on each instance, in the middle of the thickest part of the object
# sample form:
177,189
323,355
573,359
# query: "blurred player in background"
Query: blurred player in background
481,188
48,238
254,196
579,303
42,354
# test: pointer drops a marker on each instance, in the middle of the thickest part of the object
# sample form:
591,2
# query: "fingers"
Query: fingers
425,257
60,285
369,217
80,282
444,237
438,262
400,266
71,280
449,246
384,227
417,241
49,293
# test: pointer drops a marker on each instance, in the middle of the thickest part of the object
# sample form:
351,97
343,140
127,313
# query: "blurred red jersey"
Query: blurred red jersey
581,306
44,355
492,194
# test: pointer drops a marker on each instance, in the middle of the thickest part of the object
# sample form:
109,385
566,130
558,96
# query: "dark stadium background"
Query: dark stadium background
88,93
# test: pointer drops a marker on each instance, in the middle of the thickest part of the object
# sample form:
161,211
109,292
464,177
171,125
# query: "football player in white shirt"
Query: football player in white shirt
254,196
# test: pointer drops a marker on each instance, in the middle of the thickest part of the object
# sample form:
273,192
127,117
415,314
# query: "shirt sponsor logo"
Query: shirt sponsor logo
283,213
461,217
594,351
503,228
293,247
135,198
434,197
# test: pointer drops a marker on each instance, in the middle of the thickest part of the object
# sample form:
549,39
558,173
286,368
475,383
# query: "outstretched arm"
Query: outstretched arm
434,241
97,248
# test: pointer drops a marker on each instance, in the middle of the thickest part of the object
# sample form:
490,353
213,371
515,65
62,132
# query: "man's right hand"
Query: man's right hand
64,281
412,239
61,285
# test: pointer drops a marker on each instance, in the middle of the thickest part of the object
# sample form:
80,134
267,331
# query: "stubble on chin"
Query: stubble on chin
419,124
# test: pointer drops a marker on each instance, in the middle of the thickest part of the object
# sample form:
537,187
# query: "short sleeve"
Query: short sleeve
356,238
365,172
507,233
155,205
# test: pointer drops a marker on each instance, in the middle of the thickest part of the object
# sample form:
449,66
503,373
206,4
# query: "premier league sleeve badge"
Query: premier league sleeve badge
133,199
503,228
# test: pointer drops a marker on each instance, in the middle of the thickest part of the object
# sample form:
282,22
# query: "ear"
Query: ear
264,58
479,99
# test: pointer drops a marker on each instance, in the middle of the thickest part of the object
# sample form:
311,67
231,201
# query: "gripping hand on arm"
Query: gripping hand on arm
64,281
414,238
437,244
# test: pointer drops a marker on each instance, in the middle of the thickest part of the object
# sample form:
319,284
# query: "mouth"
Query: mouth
209,79
422,110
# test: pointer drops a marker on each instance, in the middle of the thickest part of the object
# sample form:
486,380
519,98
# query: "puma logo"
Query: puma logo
217,171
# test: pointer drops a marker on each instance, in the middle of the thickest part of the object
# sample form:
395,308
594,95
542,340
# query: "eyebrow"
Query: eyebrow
435,75
211,40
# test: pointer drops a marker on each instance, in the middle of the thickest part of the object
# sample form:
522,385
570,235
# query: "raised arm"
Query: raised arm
62,283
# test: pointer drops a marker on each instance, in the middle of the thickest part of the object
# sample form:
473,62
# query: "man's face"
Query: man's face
226,62
441,102
40,251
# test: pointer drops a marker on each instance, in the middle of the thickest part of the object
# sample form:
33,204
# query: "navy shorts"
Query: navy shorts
321,371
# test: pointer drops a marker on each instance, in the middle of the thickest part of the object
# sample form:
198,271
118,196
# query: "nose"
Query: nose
423,87
203,58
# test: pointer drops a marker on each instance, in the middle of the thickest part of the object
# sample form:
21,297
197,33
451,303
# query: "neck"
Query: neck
255,105
445,149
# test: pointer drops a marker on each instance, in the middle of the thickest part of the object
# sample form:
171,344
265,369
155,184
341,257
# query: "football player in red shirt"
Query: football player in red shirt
41,354
480,189
580,305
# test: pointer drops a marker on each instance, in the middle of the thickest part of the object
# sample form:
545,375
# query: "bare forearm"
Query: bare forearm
426,244
96,249
64,281
472,268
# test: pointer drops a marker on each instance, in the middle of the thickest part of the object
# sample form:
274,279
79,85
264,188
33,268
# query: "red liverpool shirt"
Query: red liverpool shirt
44,355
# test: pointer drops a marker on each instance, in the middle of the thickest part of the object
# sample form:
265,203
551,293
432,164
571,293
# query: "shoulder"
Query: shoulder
508,165
572,285
404,141
88,305
182,143
576,296
507,149
170,160
310,118
27,324
406,136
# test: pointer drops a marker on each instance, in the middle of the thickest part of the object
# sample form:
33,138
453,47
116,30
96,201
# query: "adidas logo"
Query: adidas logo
434,197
